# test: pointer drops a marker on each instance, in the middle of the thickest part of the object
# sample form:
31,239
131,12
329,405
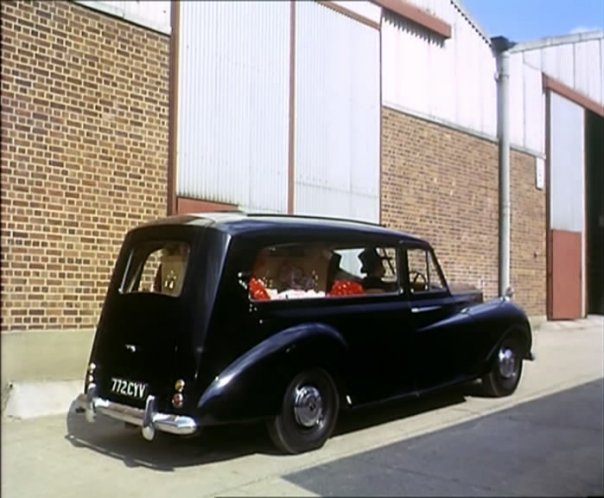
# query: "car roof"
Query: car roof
236,222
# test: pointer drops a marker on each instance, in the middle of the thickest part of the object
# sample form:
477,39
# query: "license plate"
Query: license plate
128,388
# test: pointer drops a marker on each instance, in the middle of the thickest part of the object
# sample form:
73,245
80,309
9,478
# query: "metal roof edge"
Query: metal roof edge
552,41
463,10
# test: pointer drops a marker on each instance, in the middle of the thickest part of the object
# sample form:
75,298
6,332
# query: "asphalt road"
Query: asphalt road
553,446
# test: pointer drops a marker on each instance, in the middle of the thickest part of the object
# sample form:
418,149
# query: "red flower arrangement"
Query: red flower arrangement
257,290
345,288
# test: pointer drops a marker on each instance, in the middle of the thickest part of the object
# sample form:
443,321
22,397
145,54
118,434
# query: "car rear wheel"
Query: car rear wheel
506,368
309,412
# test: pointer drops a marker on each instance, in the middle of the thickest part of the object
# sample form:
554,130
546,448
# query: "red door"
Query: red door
565,275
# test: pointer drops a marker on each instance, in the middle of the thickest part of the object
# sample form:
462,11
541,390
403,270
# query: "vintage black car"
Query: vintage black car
223,318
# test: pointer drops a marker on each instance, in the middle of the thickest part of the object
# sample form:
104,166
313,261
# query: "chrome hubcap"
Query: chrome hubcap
308,406
507,363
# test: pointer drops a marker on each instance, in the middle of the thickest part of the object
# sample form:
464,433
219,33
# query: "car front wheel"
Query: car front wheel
309,412
506,369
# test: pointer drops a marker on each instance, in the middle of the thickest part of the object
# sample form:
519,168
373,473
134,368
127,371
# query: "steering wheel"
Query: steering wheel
418,279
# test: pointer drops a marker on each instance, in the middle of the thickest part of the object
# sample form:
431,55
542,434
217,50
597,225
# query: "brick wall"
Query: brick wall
528,237
84,155
442,184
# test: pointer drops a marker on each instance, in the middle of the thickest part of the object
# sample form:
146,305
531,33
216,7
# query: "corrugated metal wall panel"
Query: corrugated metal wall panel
365,9
578,64
337,115
337,203
233,103
516,109
488,88
450,11
567,163
534,110
465,68
587,56
438,8
150,14
557,62
450,80
532,58
527,105
443,102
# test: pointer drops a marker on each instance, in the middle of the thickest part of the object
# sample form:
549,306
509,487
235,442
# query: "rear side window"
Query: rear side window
156,267
317,270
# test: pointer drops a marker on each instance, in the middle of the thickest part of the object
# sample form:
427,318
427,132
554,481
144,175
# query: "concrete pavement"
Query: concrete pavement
64,456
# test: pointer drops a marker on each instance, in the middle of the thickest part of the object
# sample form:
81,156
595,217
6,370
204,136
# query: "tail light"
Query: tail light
178,399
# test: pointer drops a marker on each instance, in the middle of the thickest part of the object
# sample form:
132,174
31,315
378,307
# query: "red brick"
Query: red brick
442,184
53,91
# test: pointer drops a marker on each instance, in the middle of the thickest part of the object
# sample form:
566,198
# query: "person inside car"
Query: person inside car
373,267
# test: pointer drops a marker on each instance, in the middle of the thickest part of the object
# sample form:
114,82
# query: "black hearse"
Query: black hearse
222,318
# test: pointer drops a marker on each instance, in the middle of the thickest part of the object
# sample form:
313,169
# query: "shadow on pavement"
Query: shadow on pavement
215,444
373,415
166,452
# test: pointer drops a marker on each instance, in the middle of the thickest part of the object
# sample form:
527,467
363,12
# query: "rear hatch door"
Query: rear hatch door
144,339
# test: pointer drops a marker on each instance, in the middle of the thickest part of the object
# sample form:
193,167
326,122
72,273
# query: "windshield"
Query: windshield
156,267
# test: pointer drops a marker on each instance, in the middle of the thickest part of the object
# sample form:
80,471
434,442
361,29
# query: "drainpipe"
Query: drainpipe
501,46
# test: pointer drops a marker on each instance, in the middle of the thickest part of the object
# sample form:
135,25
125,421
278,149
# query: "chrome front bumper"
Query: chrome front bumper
149,419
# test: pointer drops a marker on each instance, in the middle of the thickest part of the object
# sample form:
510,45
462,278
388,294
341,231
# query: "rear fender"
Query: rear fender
252,386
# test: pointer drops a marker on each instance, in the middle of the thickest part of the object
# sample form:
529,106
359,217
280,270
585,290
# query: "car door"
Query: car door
377,363
373,325
436,337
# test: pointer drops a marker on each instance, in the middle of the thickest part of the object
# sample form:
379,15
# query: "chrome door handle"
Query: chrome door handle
425,309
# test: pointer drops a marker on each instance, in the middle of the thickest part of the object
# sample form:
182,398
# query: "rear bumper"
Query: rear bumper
148,419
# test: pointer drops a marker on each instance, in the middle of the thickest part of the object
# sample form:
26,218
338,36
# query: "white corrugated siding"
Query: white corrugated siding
365,9
154,14
577,61
233,103
451,80
589,69
337,138
527,106
567,163
442,9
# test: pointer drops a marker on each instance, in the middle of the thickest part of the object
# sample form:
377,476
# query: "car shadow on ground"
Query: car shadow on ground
166,452
377,414
215,444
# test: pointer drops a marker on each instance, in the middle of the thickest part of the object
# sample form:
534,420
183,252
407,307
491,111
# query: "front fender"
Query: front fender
252,386
505,317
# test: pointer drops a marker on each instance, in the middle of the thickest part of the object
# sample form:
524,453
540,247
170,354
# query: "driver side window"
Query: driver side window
423,273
